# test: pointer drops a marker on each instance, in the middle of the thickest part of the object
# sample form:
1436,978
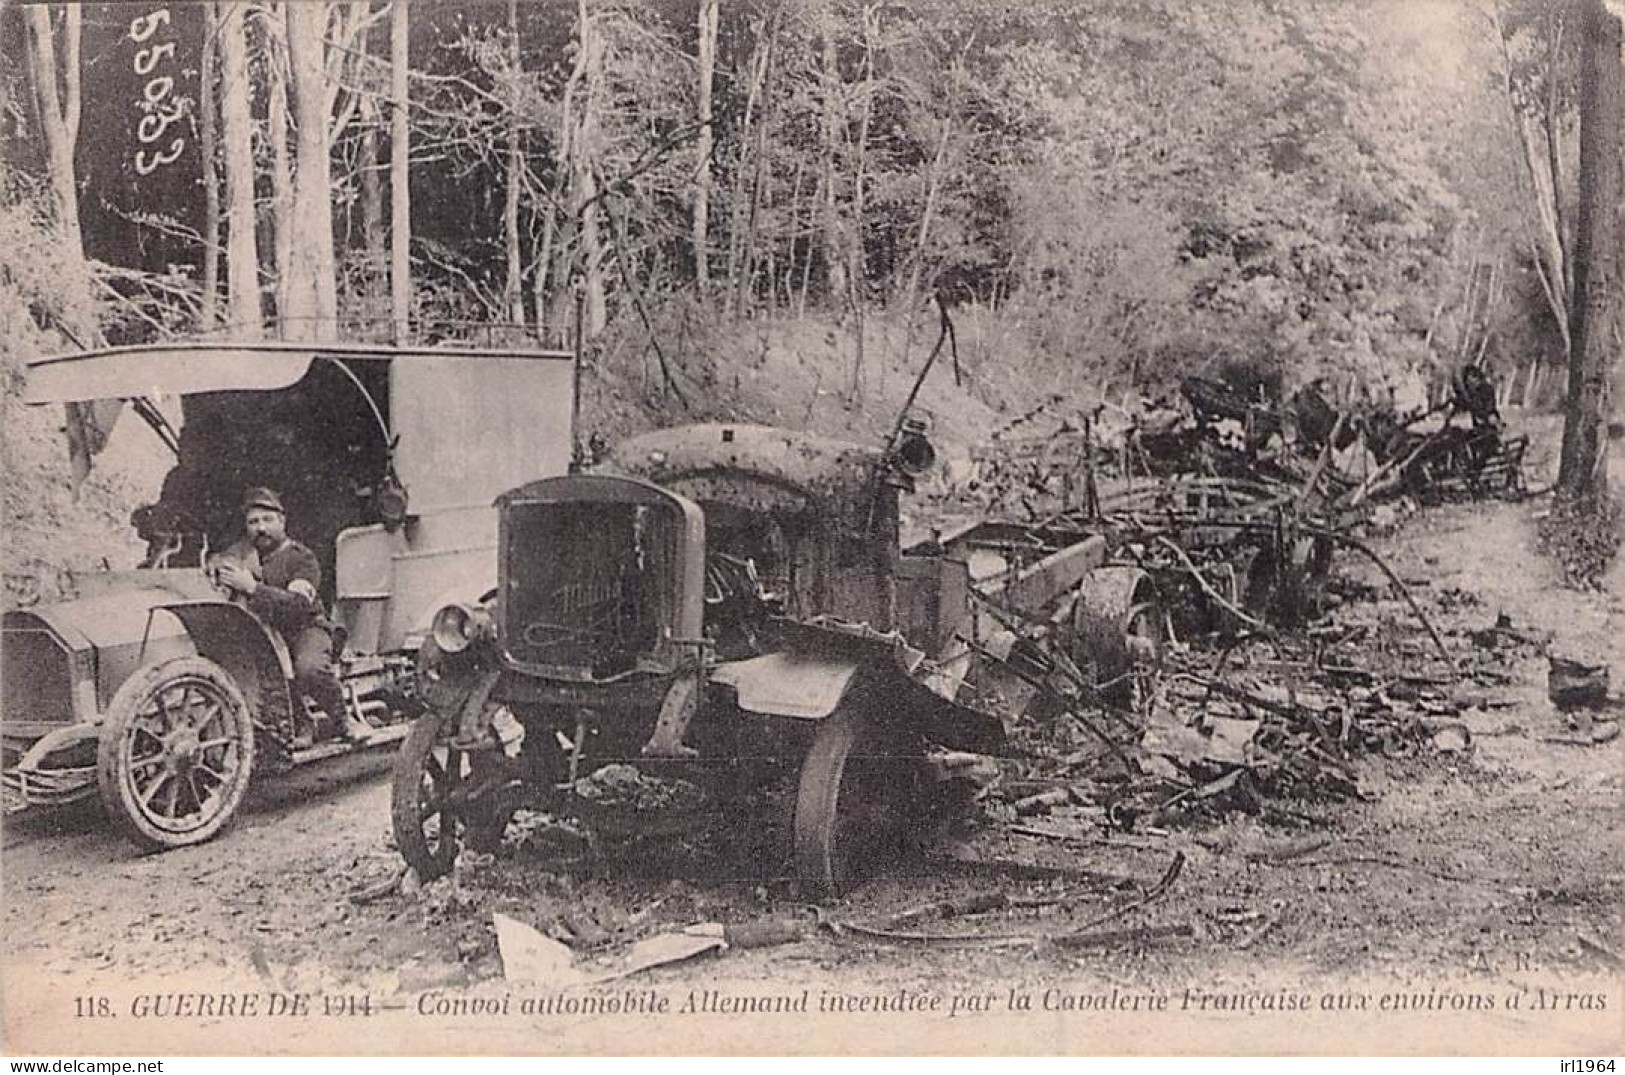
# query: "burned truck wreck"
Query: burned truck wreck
715,608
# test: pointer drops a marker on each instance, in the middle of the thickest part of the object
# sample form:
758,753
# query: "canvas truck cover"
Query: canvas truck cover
470,423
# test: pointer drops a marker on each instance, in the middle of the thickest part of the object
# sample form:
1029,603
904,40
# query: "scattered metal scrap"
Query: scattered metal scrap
1082,936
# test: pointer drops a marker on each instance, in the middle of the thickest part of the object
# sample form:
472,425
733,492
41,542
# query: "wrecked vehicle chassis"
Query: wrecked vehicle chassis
717,611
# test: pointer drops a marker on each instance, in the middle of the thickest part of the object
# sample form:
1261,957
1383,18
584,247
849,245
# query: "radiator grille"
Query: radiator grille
36,677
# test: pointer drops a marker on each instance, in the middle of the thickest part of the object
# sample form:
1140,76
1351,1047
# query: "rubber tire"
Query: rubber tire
114,780
487,822
404,804
1099,642
823,867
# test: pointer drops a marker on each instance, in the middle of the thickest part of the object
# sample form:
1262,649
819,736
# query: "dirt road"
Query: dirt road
1495,867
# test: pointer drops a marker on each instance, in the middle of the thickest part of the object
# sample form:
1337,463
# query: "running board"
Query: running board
332,748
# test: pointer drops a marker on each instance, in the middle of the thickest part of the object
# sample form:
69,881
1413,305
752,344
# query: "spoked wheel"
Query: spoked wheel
853,803
435,803
176,753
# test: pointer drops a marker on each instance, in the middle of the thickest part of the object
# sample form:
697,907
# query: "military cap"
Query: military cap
260,497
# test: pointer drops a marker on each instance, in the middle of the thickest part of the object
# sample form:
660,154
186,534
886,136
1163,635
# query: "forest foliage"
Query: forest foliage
1131,189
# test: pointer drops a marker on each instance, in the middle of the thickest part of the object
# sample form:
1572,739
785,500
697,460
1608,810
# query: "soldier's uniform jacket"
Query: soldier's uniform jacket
273,601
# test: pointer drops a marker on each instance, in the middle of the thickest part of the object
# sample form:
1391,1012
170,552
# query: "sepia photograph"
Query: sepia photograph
832,527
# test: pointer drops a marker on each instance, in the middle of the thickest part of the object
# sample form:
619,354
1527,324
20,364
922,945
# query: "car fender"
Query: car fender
239,641
809,684
801,684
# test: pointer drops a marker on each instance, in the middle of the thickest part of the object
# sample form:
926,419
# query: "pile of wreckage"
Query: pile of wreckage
1347,460
1235,506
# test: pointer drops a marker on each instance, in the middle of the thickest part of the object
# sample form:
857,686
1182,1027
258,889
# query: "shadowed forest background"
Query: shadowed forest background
757,206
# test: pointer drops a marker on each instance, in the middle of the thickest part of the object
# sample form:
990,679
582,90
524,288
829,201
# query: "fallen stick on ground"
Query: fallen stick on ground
1041,802
1112,937
1404,591
379,890
1080,838
1072,938
1372,860
1152,894
1023,871
975,903
1601,951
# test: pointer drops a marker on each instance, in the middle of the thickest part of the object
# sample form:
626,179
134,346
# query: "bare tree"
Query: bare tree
400,190
833,126
703,146
208,149
274,25
857,272
1542,160
581,145
58,110
312,298
513,297
244,312
1599,269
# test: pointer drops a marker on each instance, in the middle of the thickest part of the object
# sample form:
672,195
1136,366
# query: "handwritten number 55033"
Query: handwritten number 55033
155,120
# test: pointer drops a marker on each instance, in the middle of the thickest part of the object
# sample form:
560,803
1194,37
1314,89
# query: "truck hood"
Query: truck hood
101,621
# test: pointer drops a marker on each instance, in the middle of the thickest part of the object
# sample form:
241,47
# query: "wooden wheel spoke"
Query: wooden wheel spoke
212,712
210,744
174,798
151,725
141,765
150,792
167,706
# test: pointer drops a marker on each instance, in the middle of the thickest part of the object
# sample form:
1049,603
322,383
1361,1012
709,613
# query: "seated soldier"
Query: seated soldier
1475,394
280,579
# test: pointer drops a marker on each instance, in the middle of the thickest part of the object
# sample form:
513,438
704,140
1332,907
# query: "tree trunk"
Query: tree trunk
373,238
1554,142
585,183
276,123
739,207
933,185
59,112
243,311
834,262
807,255
556,246
1551,255
400,191
706,139
793,218
208,150
87,425
747,266
513,297
542,280
1599,289
857,274
312,298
